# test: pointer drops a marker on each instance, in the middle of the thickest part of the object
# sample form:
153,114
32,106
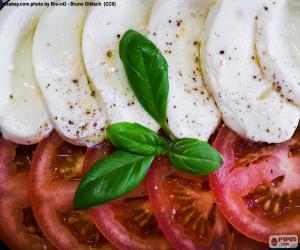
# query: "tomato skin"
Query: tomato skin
104,217
162,168
51,197
13,200
230,185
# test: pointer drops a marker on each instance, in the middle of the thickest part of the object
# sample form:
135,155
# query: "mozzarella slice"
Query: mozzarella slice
61,75
175,27
23,116
294,31
101,36
248,103
276,57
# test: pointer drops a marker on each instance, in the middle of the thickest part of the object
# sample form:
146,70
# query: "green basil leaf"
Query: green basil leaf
147,72
110,178
135,138
194,156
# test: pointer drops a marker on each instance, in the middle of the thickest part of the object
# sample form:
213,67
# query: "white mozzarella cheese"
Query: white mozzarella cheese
102,32
293,27
175,27
60,71
248,103
276,56
23,115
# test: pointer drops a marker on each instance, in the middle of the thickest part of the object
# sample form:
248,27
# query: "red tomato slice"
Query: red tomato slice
258,187
54,177
185,208
241,242
17,225
128,222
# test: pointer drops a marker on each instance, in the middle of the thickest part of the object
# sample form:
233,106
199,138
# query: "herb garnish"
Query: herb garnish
147,72
122,171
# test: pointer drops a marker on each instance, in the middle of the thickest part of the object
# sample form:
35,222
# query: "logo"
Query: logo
283,241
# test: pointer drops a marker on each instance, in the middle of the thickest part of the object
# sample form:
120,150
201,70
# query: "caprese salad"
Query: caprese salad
149,124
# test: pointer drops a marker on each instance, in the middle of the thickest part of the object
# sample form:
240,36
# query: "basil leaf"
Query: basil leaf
194,156
135,138
111,178
147,72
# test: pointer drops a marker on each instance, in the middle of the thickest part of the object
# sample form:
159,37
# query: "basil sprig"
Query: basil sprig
122,171
147,72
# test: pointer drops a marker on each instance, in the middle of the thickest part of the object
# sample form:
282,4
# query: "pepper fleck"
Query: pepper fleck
109,53
178,22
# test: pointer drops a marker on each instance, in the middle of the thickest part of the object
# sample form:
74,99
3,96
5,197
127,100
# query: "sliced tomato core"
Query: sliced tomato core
68,163
23,158
192,206
136,215
262,201
81,226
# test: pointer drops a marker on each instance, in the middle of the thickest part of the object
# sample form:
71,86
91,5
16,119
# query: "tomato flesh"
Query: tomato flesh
23,158
136,216
67,165
257,188
54,177
17,225
81,226
127,222
185,208
186,197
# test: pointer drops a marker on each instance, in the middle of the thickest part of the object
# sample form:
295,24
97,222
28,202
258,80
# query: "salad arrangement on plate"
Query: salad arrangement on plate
149,124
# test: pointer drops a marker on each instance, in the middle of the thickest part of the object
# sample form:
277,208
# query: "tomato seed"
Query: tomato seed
276,208
32,230
261,188
267,205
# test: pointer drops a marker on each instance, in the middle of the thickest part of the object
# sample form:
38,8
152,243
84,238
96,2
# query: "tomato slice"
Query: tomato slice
127,222
240,241
54,176
17,225
185,208
258,187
